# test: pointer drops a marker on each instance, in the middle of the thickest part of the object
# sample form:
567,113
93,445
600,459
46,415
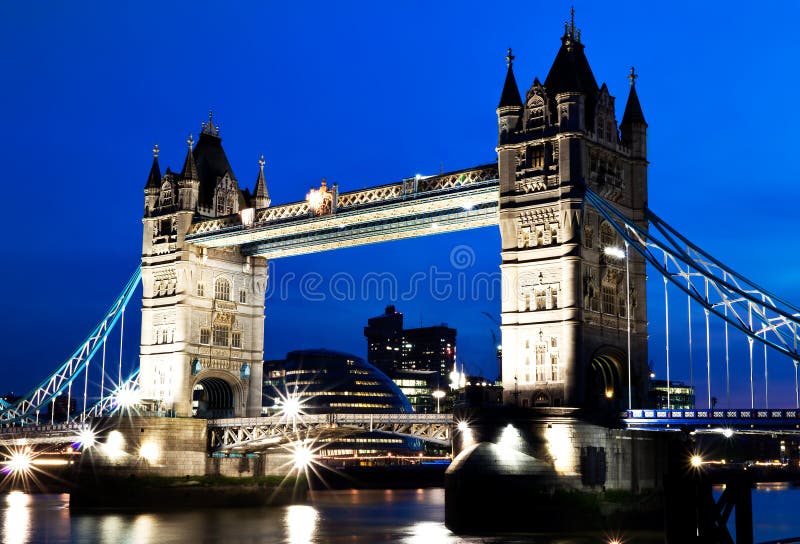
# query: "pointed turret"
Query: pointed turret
509,111
260,194
633,109
153,185
510,97
571,74
189,172
189,181
154,179
633,126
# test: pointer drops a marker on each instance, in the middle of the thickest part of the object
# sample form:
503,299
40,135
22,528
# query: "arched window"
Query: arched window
166,196
535,112
607,237
222,289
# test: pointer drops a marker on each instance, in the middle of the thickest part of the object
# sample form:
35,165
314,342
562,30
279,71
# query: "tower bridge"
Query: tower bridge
569,194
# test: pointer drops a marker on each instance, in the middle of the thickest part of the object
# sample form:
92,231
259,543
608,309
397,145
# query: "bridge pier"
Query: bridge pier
546,469
140,461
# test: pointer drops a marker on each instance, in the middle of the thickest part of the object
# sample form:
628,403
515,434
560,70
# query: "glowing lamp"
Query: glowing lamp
302,457
291,406
19,463
609,393
149,451
616,252
462,426
727,433
696,461
87,439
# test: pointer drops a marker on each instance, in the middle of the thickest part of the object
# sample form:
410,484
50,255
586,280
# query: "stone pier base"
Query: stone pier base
548,470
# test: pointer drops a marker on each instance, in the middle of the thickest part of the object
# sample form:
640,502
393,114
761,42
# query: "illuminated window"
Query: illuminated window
541,352
222,289
165,199
537,157
200,289
554,370
242,296
205,335
552,298
609,293
221,334
236,339
607,238
541,299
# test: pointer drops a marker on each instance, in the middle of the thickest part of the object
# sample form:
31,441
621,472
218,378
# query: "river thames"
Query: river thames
352,516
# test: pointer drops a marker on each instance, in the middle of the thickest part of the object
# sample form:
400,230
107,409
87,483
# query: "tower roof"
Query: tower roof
154,178
260,190
189,167
633,109
510,96
571,72
211,163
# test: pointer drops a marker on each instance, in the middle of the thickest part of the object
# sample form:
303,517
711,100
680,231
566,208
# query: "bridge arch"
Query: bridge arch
215,394
606,382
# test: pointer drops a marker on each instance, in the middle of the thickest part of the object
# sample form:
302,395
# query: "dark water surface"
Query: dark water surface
353,517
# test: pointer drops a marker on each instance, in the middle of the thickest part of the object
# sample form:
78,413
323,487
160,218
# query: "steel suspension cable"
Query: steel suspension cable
708,350
85,391
750,344
103,372
689,312
727,359
121,332
666,325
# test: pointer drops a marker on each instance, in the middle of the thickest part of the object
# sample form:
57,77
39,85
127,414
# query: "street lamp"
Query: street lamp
619,253
438,394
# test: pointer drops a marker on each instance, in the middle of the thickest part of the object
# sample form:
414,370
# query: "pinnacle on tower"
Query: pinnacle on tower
189,168
154,179
210,128
260,194
633,109
510,96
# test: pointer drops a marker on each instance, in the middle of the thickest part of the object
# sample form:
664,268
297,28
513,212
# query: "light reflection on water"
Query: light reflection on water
330,517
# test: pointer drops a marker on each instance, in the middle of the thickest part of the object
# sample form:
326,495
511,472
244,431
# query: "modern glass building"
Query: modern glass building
330,382
326,382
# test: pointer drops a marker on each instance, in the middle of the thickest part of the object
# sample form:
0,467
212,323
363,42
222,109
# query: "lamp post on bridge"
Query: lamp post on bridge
438,394
619,253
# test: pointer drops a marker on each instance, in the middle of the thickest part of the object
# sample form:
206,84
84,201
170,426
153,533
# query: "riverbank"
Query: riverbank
156,493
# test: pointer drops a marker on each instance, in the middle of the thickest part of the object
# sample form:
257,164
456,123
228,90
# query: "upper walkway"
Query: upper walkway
417,206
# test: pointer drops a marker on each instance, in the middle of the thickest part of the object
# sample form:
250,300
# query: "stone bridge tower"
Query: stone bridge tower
564,319
201,350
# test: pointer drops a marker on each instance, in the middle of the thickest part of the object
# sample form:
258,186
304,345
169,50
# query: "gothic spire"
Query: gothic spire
260,194
154,179
633,109
510,96
189,167
210,128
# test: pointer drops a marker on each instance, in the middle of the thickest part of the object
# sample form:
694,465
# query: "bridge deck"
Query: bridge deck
421,206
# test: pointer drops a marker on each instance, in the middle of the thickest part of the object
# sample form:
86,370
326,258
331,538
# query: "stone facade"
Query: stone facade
564,320
202,308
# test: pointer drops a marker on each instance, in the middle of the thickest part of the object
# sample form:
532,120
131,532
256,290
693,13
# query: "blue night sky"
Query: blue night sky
365,94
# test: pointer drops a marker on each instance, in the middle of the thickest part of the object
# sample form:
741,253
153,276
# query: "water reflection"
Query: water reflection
16,518
427,532
355,517
301,523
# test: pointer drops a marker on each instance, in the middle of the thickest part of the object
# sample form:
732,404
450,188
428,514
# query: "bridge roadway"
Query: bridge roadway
259,433
756,420
418,206
24,435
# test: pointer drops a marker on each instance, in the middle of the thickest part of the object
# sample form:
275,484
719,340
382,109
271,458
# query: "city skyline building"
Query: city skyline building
391,347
